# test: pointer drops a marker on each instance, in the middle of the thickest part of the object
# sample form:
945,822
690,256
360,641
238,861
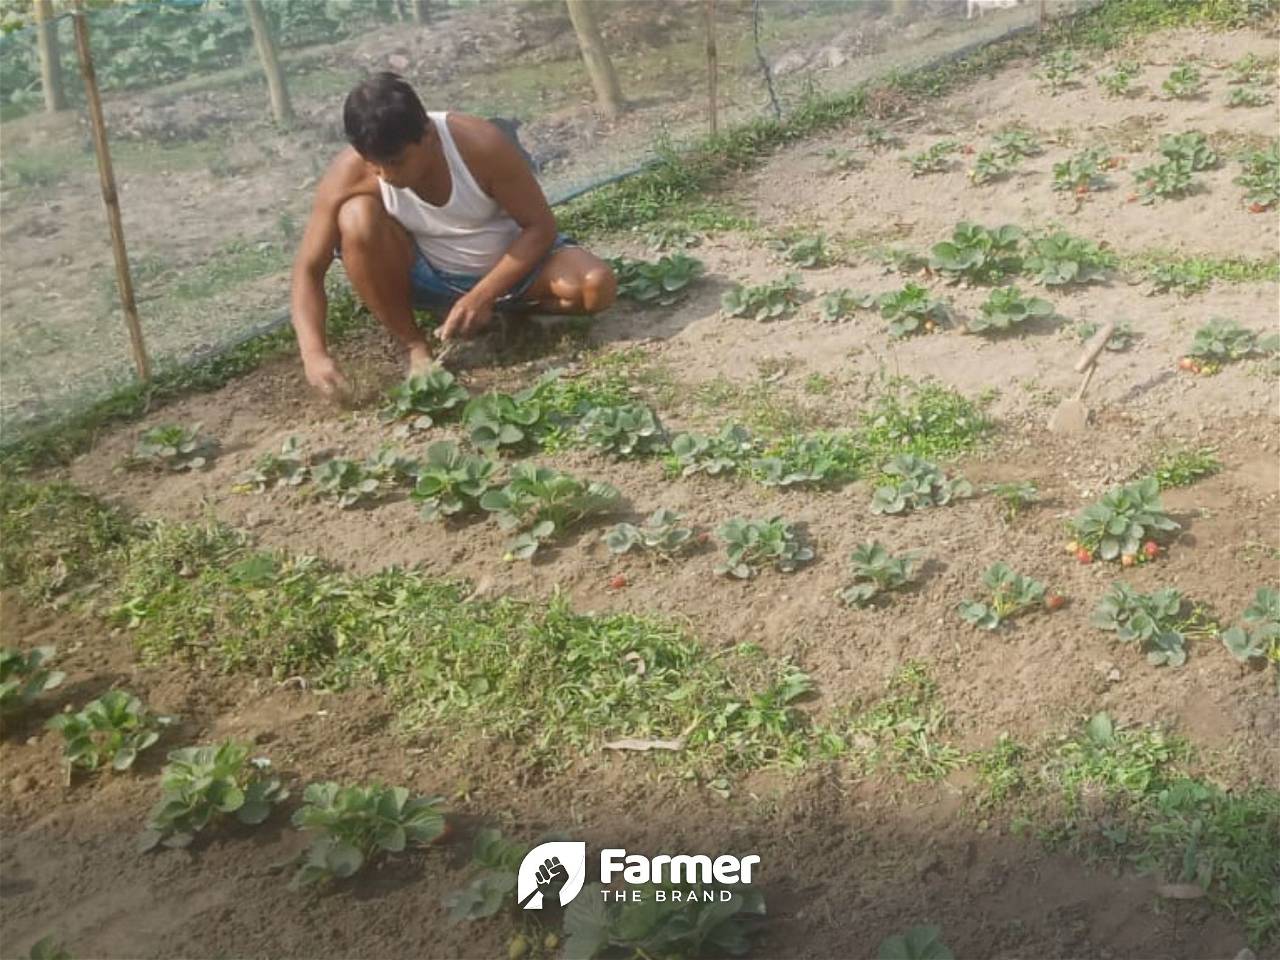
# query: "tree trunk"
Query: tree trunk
280,107
421,11
50,63
583,15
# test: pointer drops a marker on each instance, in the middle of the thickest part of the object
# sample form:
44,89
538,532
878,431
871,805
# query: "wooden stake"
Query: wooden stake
50,61
281,109
1042,13
709,12
582,14
109,196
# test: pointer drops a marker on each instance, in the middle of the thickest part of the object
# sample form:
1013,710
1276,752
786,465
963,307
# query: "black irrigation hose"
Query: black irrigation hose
764,64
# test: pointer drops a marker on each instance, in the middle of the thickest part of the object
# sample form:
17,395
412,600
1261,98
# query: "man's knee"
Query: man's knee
360,220
599,288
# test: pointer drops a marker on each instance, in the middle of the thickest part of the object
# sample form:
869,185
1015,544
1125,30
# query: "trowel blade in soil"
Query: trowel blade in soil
1072,416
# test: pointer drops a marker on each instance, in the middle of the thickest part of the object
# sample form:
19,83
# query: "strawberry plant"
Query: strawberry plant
911,483
1118,524
1149,619
1016,496
1005,309
1250,69
345,481
174,447
723,452
1183,83
1121,338
1058,259
877,138
749,544
543,502
1119,82
1170,180
840,304
767,301
1222,341
1005,154
661,533
424,399
389,467
820,459
47,948
1011,594
627,430
876,572
1059,71
1259,635
1189,149
989,165
1248,97
977,254
288,468
808,252
697,922
1261,176
451,481
355,824
203,784
113,729
23,677
937,159
663,283
918,943
493,887
497,420
911,310
1082,172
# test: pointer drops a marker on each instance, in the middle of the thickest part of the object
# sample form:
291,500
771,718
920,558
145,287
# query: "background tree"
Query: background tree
582,13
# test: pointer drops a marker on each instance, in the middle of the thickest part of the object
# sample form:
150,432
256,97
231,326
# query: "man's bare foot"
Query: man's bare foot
420,360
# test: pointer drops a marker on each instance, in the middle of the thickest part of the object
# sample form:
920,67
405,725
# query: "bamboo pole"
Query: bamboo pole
603,78
709,12
50,61
110,198
281,109
421,12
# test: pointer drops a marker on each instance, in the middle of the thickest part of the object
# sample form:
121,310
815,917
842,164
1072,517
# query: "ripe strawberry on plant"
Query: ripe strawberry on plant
617,581
1257,208
1151,550
1055,601
1084,555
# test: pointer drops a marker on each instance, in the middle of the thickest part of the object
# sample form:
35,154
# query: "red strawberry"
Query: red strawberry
617,582
1084,555
1132,198
1151,549
1257,208
1055,601
1186,363
1082,190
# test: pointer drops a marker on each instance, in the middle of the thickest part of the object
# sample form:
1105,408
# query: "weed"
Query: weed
1011,594
1260,177
272,471
927,420
1016,496
1006,309
840,304
174,447
1151,620
424,399
912,310
23,677
450,481
877,572
1185,277
204,784
1117,525
354,824
113,730
977,254
1183,466
1183,83
543,503
663,283
767,301
1007,151
1251,69
936,159
1059,259
1002,771
901,730
912,483
661,533
750,543
713,455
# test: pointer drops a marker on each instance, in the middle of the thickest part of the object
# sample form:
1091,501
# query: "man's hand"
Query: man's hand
468,317
323,374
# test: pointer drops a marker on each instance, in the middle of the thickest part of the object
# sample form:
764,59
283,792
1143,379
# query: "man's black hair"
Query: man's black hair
382,116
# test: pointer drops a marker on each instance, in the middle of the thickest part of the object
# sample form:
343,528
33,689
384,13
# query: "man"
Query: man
432,210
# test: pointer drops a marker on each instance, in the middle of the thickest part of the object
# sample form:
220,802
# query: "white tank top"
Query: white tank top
470,233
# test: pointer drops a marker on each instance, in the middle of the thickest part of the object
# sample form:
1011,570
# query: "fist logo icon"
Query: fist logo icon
556,869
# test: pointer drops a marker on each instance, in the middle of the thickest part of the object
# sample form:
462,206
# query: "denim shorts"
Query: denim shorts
434,289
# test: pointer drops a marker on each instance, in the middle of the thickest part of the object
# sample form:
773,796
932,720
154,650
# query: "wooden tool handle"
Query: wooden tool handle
1094,346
